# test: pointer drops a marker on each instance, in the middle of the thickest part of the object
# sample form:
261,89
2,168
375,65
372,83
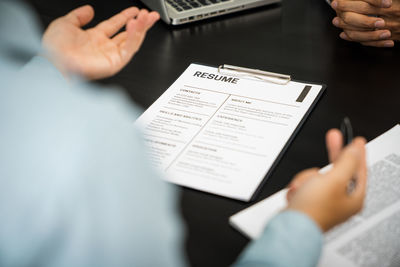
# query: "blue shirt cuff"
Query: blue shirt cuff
290,239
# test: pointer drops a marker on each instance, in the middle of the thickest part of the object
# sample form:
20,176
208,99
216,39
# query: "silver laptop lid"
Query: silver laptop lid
160,7
184,11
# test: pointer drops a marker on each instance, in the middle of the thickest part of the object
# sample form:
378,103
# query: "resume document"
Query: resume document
220,133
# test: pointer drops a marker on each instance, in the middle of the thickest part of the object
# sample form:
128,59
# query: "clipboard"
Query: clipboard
208,80
265,76
276,78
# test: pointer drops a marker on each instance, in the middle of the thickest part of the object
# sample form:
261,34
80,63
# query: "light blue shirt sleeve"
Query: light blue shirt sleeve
75,186
290,239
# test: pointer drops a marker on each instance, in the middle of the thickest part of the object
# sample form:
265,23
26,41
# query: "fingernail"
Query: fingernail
380,24
335,21
385,35
386,3
343,36
334,4
388,44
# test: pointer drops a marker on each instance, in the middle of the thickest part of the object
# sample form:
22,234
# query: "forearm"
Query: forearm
290,239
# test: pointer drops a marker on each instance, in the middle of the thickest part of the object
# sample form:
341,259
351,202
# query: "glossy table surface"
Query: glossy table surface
294,38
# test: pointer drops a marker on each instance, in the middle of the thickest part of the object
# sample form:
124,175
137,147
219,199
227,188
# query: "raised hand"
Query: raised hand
98,52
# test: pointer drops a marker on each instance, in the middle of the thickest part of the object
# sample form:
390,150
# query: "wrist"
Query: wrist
316,217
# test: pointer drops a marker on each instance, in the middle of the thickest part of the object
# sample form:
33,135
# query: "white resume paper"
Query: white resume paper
222,134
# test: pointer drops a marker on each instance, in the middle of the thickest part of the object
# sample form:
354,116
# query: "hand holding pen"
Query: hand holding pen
332,197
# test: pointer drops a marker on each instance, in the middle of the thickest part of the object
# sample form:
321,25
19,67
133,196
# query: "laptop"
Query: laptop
177,12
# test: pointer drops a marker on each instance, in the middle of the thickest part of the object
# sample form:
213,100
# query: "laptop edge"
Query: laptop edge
170,16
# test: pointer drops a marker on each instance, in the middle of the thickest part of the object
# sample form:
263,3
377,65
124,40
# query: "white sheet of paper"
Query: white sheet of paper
221,134
252,221
367,239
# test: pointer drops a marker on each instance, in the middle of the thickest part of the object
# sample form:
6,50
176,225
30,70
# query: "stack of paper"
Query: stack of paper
369,239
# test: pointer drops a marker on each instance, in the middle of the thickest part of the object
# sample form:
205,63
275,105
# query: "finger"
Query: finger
356,199
346,165
344,36
338,22
361,185
300,179
392,24
366,36
120,37
80,16
303,176
115,23
334,144
136,31
358,20
360,7
386,43
152,17
339,4
382,3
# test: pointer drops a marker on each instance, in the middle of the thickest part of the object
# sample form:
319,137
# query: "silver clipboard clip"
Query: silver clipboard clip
265,76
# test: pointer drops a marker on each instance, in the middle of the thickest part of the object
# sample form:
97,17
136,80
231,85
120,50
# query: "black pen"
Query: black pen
347,132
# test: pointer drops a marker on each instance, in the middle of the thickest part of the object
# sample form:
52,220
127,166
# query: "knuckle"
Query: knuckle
57,22
346,17
340,5
351,34
393,26
393,11
389,25
366,9
375,2
395,33
299,176
368,22
53,23
125,14
342,23
119,17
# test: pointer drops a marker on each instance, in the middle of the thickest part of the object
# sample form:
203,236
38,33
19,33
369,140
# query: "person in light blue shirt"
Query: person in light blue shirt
76,188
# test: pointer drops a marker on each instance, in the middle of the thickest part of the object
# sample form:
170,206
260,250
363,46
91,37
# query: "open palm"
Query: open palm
97,52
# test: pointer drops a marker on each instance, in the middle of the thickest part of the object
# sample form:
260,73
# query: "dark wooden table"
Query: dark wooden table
295,38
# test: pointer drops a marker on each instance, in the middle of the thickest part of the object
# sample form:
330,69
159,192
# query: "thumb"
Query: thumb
80,16
348,162
334,144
